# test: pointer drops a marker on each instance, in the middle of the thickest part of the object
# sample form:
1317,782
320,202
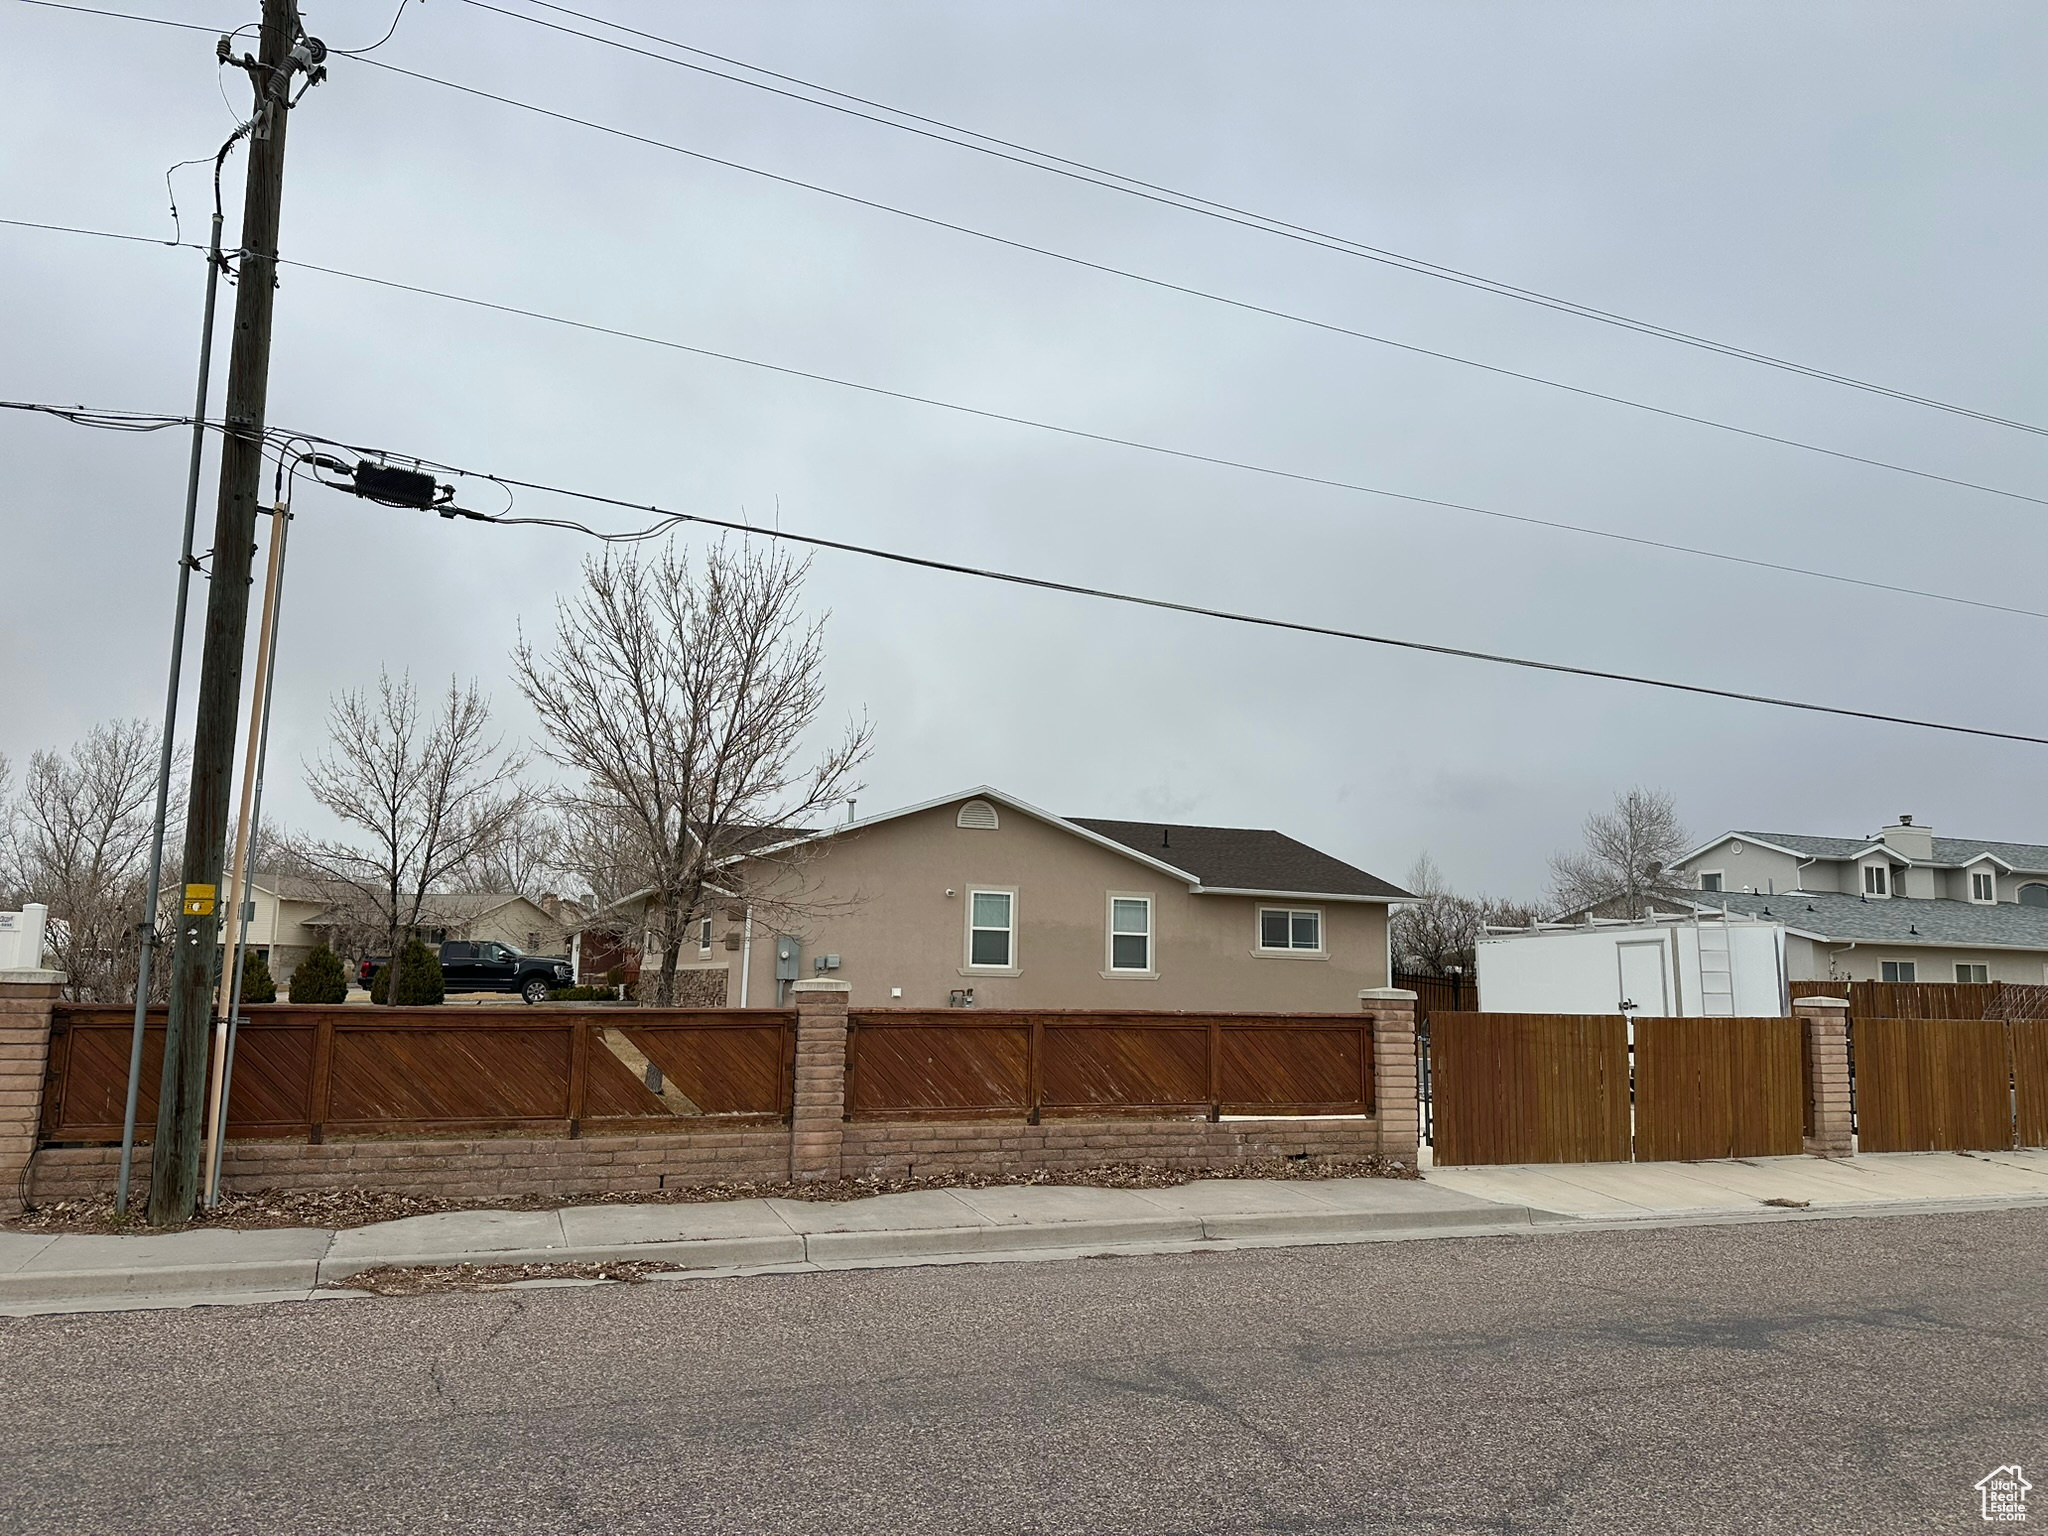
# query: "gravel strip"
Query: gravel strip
427,1279
343,1208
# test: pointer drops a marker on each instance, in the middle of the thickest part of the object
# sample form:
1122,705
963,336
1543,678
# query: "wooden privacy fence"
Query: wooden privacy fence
951,1062
1708,1088
1932,999
306,1073
1558,1088
1967,1084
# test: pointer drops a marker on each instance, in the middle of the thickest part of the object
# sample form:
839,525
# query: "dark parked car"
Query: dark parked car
484,965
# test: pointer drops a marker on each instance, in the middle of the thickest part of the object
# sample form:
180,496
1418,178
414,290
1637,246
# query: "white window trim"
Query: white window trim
1720,875
1971,965
1320,952
967,965
1914,964
1886,893
704,936
1111,971
1992,876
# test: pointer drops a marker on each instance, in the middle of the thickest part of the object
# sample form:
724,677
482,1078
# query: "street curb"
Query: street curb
61,1284
794,1252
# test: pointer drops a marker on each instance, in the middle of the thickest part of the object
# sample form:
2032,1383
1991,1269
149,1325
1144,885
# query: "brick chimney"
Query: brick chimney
551,904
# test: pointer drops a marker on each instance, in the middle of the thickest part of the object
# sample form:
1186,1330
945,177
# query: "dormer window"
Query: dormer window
1876,880
1983,885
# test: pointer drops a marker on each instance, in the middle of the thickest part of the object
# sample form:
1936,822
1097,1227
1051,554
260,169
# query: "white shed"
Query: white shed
1695,966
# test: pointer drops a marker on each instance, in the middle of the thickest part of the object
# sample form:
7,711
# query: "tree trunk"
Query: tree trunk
671,952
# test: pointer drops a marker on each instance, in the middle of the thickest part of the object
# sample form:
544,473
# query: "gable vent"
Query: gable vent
977,816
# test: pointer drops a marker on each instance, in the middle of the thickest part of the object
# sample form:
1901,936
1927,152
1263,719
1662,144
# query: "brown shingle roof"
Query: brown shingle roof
1243,858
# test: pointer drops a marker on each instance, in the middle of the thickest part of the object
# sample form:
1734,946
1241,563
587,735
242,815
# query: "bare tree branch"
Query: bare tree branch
428,793
77,840
1626,860
683,698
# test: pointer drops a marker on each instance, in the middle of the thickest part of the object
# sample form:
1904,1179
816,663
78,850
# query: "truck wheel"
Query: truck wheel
535,991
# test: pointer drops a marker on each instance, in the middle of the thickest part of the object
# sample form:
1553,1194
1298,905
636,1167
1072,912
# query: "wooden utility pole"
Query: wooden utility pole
174,1164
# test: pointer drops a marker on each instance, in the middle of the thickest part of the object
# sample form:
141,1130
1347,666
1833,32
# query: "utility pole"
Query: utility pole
174,1166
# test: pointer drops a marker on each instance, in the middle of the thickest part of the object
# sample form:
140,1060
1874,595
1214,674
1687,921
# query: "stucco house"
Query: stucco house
290,914
978,899
1902,905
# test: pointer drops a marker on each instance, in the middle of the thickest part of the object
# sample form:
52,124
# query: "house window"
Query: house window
1130,933
1900,970
1972,975
704,937
991,928
2033,895
1710,879
1983,885
1876,880
1290,928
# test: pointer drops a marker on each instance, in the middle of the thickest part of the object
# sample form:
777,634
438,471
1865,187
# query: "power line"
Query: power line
667,520
1127,274
1108,439
1188,202
1191,292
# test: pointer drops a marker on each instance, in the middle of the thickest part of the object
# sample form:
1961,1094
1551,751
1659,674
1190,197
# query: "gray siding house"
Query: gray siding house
1900,905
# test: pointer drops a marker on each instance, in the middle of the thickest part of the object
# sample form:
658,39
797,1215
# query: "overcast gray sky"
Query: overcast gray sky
1855,186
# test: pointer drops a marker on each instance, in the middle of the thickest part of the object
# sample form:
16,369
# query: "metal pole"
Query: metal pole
239,870
269,666
163,770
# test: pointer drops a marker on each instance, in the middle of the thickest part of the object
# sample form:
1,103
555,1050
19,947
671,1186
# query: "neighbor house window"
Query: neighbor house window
1130,933
1973,975
1983,885
1290,928
991,928
1901,970
1875,880
704,937
1710,880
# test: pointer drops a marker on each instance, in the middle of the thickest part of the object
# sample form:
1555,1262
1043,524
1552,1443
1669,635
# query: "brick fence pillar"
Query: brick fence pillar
26,998
817,1122
1826,1046
1394,1086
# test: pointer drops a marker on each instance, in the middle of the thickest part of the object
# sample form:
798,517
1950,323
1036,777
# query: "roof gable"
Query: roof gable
1246,859
1232,860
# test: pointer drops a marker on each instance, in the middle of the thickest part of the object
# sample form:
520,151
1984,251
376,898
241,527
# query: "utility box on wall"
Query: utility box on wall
788,950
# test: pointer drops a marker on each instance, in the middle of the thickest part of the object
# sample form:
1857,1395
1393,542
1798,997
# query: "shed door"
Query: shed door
1642,977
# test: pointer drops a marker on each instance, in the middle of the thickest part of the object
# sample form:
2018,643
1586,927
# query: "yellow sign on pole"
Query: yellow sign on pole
199,900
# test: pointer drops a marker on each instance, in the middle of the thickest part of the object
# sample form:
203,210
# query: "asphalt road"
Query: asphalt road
1839,1376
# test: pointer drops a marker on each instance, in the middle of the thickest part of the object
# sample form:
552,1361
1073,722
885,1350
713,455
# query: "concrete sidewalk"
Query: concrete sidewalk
1866,1184
40,1273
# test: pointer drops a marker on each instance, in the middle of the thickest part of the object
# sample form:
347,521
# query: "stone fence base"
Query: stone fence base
461,1169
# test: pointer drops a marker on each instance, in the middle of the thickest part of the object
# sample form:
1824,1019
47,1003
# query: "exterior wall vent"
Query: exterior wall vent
977,816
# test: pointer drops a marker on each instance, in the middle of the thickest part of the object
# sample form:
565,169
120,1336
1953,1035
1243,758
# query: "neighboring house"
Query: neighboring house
1903,905
501,916
981,900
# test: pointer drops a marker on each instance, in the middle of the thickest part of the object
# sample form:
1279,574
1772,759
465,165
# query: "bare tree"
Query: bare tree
525,859
683,698
78,841
1441,933
427,793
1626,860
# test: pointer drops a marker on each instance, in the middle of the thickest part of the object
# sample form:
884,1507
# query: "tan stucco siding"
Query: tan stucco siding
1763,870
1865,962
880,902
